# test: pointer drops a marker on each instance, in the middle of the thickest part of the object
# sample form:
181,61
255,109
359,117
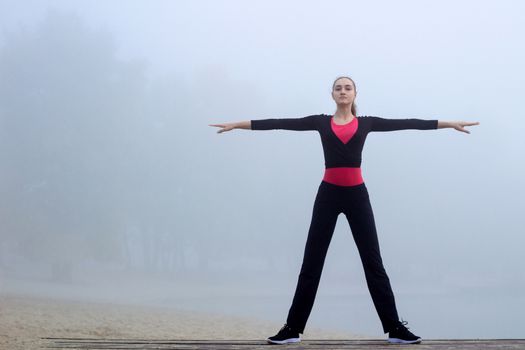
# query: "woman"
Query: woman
342,190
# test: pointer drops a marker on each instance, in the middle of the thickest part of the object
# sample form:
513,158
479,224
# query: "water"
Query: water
463,316
456,313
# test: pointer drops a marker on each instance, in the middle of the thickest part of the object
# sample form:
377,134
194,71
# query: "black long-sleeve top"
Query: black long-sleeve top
337,153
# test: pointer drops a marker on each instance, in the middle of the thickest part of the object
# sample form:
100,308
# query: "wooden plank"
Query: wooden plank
311,344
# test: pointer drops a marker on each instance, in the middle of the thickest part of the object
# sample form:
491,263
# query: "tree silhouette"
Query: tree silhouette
71,115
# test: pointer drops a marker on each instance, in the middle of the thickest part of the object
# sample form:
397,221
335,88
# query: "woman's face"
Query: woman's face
343,91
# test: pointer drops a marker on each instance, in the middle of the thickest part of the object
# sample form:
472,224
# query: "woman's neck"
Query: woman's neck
344,113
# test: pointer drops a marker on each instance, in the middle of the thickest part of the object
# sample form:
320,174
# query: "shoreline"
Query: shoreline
25,319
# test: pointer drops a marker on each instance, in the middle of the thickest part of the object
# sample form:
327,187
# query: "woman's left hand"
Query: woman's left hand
458,125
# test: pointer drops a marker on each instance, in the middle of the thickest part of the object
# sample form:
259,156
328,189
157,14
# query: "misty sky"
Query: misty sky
448,206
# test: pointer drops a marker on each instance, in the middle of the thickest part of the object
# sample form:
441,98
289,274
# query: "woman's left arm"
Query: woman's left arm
459,126
384,124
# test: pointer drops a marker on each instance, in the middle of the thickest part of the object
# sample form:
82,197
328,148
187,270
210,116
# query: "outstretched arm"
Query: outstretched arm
246,124
459,126
298,124
383,124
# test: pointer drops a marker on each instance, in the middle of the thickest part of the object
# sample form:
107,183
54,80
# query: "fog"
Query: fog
114,188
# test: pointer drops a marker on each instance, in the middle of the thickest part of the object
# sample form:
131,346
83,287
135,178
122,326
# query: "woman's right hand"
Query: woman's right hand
224,127
230,126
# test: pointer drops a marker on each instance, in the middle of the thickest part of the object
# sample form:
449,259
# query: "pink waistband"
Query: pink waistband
343,176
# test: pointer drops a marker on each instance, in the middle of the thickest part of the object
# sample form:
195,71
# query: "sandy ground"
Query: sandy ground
24,320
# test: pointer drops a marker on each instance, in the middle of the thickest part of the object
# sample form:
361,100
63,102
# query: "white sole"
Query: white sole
401,341
286,341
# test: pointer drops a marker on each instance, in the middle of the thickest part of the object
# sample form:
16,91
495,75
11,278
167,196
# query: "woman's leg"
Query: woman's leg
361,219
322,227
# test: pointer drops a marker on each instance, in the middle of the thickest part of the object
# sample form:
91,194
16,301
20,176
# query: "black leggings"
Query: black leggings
353,201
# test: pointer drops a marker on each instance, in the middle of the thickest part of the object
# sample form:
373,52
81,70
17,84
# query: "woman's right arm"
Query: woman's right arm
310,122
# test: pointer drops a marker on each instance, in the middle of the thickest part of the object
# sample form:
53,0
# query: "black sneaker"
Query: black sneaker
401,335
285,335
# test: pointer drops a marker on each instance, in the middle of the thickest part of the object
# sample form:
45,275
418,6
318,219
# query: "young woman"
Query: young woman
342,190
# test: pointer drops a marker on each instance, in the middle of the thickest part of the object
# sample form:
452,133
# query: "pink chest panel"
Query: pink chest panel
346,131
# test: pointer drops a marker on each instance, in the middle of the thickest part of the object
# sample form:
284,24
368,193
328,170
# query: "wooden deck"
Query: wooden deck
444,344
